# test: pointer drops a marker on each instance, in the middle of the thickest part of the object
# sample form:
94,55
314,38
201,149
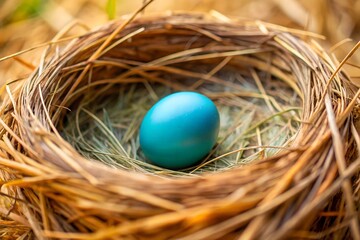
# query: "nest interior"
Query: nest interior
53,189
258,117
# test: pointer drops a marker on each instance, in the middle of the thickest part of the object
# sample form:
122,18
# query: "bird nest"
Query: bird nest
285,165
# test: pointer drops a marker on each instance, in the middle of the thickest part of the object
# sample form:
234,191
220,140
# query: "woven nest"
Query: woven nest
308,187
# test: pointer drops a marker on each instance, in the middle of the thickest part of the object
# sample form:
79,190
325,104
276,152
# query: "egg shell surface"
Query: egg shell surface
179,130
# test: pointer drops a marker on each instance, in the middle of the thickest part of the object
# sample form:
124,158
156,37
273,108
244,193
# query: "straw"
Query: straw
286,161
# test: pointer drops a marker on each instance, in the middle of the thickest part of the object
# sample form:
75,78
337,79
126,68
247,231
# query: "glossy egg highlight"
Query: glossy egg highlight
179,130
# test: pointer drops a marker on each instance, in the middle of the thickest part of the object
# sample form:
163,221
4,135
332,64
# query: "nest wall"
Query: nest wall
308,189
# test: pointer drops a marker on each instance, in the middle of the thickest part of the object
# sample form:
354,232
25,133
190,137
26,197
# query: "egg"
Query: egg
179,130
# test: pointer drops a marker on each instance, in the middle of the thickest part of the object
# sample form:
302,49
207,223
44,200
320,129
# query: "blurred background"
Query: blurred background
27,24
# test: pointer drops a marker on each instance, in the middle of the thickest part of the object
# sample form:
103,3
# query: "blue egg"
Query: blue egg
179,130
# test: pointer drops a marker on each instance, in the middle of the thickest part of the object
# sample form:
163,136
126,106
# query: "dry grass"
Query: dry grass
306,189
254,125
337,20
